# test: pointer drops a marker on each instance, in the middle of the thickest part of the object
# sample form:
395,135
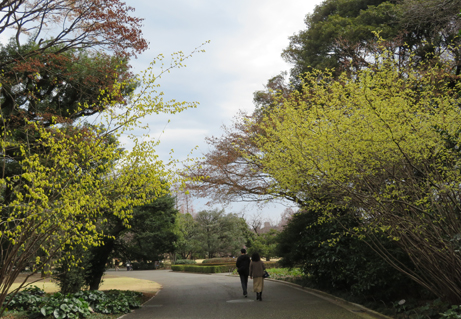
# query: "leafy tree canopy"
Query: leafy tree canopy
220,233
353,21
339,33
69,177
153,230
384,142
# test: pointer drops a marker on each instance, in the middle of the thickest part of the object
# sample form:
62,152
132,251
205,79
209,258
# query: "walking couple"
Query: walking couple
253,268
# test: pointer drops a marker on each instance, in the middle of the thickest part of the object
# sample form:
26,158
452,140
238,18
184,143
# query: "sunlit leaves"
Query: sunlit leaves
67,177
383,142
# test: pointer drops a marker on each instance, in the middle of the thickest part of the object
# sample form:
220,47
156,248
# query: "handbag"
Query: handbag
266,274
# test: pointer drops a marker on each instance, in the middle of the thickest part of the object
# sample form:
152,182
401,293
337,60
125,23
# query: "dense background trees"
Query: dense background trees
188,245
220,233
153,230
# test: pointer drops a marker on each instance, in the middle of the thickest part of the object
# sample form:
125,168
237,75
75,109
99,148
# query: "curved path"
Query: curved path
201,296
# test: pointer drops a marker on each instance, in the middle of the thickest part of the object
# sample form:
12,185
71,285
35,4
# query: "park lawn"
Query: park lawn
109,282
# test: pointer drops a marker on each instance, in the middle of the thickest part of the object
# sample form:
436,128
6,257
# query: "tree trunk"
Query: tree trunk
99,258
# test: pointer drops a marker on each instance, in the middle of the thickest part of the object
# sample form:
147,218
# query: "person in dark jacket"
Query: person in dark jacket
243,268
257,268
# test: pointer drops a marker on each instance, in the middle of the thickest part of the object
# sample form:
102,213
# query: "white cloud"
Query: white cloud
247,39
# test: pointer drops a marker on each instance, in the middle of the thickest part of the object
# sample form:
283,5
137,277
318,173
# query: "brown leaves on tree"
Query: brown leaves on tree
72,24
227,174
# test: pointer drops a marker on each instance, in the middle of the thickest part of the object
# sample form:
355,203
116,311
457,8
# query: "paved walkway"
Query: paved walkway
201,296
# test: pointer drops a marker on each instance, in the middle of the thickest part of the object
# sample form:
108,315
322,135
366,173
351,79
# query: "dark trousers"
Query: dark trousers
244,282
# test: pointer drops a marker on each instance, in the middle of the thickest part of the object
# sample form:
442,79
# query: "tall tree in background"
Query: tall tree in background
220,233
351,21
59,87
265,244
153,230
339,33
188,243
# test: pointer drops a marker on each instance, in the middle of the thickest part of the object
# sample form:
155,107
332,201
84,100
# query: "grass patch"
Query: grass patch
109,283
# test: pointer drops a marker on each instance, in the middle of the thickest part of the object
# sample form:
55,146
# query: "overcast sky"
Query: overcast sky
247,39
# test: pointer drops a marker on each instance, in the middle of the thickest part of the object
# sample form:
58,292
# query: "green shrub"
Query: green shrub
185,262
177,267
23,300
113,301
349,265
63,306
69,276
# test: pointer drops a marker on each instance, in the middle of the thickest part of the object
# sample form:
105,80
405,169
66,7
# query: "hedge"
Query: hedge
203,269
146,266
216,268
219,260
185,262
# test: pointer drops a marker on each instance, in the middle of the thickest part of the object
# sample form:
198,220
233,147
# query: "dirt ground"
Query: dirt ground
109,282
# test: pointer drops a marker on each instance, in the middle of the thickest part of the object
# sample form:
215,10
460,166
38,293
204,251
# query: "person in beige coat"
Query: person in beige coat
257,268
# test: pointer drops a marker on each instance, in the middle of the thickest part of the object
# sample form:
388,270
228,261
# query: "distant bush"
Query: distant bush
185,262
230,262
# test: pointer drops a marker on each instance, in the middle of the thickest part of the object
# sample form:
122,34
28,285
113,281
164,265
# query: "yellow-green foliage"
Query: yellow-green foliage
58,199
382,120
385,143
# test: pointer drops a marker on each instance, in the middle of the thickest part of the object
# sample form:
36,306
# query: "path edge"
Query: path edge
333,299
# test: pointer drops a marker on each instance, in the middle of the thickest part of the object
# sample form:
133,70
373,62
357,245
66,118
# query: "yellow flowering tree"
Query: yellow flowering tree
383,142
68,176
